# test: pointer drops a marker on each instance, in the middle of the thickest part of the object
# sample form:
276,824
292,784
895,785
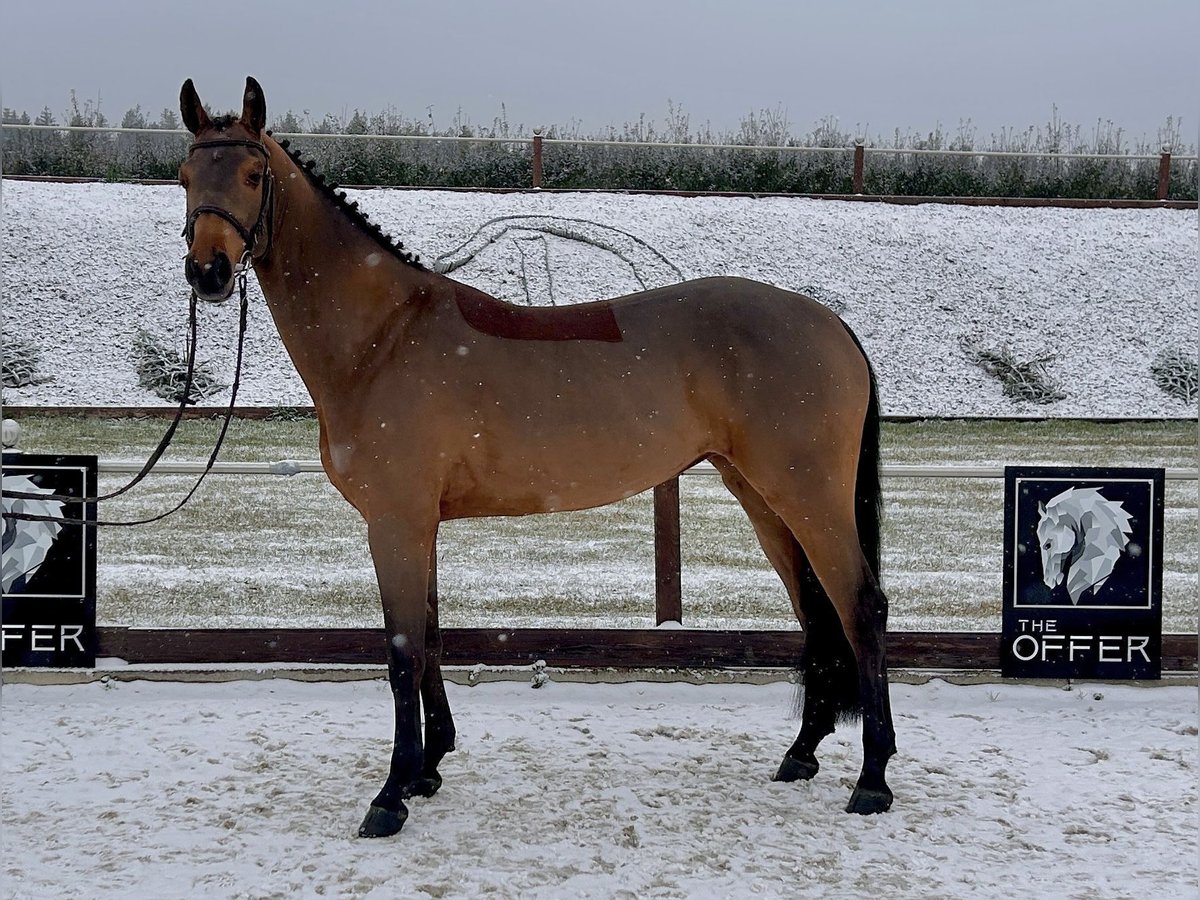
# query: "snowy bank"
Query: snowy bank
1102,292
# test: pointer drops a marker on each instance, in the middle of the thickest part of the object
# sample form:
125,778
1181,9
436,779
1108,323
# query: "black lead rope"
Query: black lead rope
163,443
263,224
233,392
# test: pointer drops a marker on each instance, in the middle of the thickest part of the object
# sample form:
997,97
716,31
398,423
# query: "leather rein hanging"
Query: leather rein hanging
263,226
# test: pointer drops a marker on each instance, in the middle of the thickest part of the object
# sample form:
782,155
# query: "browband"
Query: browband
229,142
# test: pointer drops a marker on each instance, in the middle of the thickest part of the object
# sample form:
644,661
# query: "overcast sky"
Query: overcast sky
873,65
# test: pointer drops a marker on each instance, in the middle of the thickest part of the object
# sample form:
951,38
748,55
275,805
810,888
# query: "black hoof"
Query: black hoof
380,822
424,787
792,769
867,801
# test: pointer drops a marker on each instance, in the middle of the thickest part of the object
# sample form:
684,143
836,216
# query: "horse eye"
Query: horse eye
1046,545
254,179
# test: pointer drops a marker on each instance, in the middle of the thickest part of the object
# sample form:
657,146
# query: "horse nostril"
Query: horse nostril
222,270
211,279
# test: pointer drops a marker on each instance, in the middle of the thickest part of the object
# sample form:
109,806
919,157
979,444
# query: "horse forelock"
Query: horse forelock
1062,503
1101,518
224,128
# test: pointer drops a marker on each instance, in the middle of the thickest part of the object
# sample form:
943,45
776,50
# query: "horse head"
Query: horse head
1058,536
229,192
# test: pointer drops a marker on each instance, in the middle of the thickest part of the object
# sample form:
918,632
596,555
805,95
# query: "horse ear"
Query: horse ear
1041,508
194,116
254,107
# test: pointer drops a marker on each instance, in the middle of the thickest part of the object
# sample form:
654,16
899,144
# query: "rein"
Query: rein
163,443
263,226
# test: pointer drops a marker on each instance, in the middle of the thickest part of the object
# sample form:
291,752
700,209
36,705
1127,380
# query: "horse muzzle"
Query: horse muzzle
1053,574
212,281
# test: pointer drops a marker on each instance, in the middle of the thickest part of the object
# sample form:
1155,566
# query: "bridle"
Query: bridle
264,225
262,229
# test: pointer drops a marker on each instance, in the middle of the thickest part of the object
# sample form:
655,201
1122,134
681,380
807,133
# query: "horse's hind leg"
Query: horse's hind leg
828,667
831,543
820,512
439,724
829,673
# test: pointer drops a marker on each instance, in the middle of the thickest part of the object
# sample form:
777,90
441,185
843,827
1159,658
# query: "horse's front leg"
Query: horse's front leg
439,725
401,545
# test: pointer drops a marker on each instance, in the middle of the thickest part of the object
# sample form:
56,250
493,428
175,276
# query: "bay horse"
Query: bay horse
437,401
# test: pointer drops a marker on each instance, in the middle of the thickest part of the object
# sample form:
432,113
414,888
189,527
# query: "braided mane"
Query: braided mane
359,218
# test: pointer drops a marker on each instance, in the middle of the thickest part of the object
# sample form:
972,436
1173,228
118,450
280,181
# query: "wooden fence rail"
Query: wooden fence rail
668,600
560,647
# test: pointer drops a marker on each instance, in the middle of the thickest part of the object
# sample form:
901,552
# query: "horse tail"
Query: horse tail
828,666
868,494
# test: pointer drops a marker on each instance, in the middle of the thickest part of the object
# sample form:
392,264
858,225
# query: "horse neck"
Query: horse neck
332,289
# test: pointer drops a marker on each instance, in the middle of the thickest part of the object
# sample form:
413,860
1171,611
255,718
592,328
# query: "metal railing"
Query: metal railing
299,466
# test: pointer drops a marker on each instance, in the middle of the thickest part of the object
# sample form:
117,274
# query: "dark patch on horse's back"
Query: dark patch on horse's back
587,322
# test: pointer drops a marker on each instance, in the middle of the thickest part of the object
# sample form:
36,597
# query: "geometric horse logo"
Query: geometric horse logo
1082,535
26,544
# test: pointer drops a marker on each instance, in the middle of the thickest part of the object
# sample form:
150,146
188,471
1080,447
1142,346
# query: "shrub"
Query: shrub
1174,372
162,370
639,160
289,414
21,362
1022,380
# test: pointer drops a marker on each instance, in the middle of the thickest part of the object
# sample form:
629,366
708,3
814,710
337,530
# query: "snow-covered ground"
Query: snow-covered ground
1103,291
256,789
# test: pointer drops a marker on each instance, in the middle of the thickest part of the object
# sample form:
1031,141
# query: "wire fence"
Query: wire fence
538,161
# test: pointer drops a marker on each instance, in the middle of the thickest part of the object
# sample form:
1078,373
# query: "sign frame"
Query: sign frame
50,620
1103,619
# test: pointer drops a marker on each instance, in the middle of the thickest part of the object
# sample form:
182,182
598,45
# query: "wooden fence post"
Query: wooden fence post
1164,174
537,158
859,158
668,590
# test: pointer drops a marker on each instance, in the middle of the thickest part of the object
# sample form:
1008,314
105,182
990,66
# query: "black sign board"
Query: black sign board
1082,573
49,569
